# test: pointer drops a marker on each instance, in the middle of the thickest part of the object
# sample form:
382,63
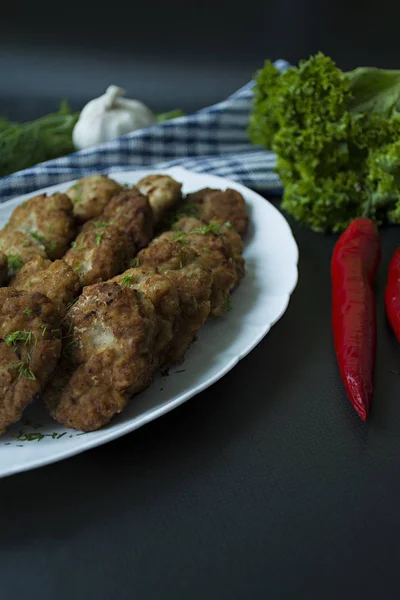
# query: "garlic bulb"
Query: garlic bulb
108,117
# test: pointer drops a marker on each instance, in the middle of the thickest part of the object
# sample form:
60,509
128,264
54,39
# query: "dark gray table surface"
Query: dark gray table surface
266,485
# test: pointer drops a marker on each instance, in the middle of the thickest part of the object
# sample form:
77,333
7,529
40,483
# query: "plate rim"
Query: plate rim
128,427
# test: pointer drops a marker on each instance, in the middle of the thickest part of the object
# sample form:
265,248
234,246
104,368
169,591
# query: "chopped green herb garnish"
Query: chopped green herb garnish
136,262
179,237
71,303
44,329
100,224
24,371
27,311
228,224
14,337
195,302
126,280
184,259
29,437
228,302
126,186
98,238
78,267
26,243
39,238
15,262
75,247
212,227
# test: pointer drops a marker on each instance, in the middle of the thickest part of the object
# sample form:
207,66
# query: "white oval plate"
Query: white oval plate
271,275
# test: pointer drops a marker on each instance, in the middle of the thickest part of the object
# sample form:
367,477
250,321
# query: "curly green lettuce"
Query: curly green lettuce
332,132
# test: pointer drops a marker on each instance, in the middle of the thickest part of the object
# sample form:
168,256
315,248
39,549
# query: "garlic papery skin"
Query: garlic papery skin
108,117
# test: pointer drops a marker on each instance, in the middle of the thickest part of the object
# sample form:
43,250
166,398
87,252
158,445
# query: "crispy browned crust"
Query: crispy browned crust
228,205
227,241
193,284
25,365
163,192
88,400
131,212
216,254
90,195
18,245
99,252
49,219
56,280
164,296
108,356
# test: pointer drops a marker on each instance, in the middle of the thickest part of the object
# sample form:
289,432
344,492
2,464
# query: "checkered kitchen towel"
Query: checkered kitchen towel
212,140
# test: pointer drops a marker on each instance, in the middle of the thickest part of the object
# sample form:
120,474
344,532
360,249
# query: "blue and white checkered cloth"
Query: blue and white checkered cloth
212,140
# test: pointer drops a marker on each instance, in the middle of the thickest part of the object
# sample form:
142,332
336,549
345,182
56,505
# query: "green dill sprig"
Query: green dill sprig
15,262
228,303
78,268
26,144
135,263
14,337
36,436
212,227
75,247
179,236
72,302
126,280
24,370
38,238
100,224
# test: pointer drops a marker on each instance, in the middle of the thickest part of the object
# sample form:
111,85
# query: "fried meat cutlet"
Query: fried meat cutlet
163,193
90,195
193,284
131,212
164,296
99,252
214,236
223,206
19,248
47,219
30,347
107,356
215,255
56,280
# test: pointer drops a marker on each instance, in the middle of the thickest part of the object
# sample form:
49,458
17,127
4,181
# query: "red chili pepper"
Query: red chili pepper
392,294
355,260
